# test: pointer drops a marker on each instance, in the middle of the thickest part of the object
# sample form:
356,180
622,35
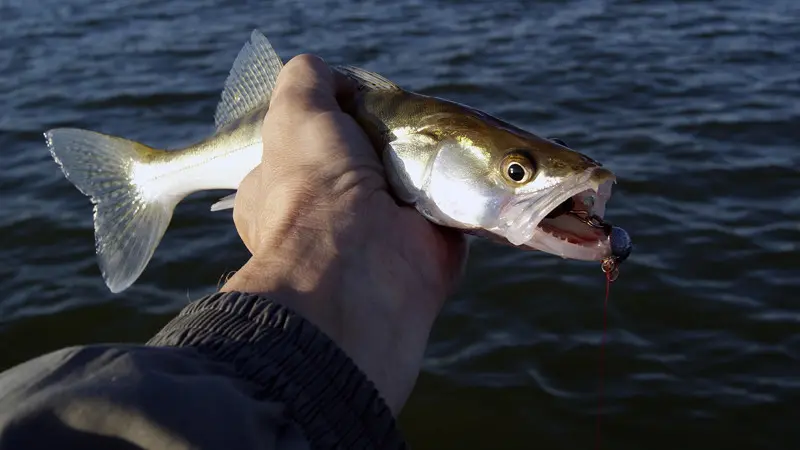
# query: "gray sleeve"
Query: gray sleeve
231,371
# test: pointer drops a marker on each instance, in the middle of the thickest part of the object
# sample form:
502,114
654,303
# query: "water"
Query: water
695,105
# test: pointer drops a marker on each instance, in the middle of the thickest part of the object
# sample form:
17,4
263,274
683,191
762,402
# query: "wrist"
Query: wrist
296,279
375,295
344,251
382,322
332,285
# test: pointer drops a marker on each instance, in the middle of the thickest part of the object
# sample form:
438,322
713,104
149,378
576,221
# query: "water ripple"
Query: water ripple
694,104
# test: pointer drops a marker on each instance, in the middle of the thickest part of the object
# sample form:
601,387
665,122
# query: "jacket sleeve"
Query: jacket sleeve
231,371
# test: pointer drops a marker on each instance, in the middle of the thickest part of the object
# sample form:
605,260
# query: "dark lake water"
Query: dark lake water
695,105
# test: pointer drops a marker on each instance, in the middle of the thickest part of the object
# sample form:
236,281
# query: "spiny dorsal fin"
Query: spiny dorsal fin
370,80
251,80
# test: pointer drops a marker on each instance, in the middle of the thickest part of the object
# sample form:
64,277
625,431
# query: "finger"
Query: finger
305,85
346,91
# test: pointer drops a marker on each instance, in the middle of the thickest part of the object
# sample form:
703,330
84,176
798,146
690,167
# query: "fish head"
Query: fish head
497,181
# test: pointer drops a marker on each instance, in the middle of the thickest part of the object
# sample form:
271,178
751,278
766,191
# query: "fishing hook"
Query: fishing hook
593,220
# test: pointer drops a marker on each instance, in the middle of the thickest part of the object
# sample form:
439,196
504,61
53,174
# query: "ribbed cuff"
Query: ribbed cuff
291,361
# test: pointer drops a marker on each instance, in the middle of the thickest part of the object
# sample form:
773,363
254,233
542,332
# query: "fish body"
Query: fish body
458,166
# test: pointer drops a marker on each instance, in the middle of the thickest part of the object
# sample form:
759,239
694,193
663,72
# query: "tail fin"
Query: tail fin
129,218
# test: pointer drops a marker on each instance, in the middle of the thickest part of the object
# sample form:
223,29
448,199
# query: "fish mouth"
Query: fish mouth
565,220
571,225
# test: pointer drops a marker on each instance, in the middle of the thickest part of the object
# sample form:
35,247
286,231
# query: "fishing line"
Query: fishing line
611,270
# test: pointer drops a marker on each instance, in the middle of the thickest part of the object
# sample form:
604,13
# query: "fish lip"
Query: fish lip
597,180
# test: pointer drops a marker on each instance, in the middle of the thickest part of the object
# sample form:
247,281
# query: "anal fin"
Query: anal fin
224,203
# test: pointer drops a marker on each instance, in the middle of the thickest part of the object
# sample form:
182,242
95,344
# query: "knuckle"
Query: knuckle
289,95
304,69
304,84
305,61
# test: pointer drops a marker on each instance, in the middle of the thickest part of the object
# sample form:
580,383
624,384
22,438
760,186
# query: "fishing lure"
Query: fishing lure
621,244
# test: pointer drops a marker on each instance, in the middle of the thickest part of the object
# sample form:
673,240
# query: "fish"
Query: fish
460,167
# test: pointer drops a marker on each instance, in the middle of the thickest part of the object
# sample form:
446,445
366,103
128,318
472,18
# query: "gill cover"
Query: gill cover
459,184
466,187
464,184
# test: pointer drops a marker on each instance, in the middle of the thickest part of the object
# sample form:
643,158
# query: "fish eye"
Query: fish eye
516,172
518,168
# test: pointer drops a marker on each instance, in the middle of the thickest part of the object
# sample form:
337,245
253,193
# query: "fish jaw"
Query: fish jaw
566,235
554,244
524,221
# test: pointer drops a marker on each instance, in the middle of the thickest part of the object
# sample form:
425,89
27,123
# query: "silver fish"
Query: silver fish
458,166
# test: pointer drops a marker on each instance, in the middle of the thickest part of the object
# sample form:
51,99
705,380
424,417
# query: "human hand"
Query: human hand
329,241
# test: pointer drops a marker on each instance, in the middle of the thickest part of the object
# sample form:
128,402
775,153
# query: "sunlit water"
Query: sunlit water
695,105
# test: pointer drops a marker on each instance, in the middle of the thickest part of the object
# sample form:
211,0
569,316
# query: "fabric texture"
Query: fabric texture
231,371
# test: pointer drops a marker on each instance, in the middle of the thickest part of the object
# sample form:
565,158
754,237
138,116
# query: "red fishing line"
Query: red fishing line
610,277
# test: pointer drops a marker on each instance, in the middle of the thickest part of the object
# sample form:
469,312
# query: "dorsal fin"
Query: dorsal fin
370,80
251,80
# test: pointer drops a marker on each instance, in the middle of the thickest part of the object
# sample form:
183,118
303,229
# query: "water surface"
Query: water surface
695,105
